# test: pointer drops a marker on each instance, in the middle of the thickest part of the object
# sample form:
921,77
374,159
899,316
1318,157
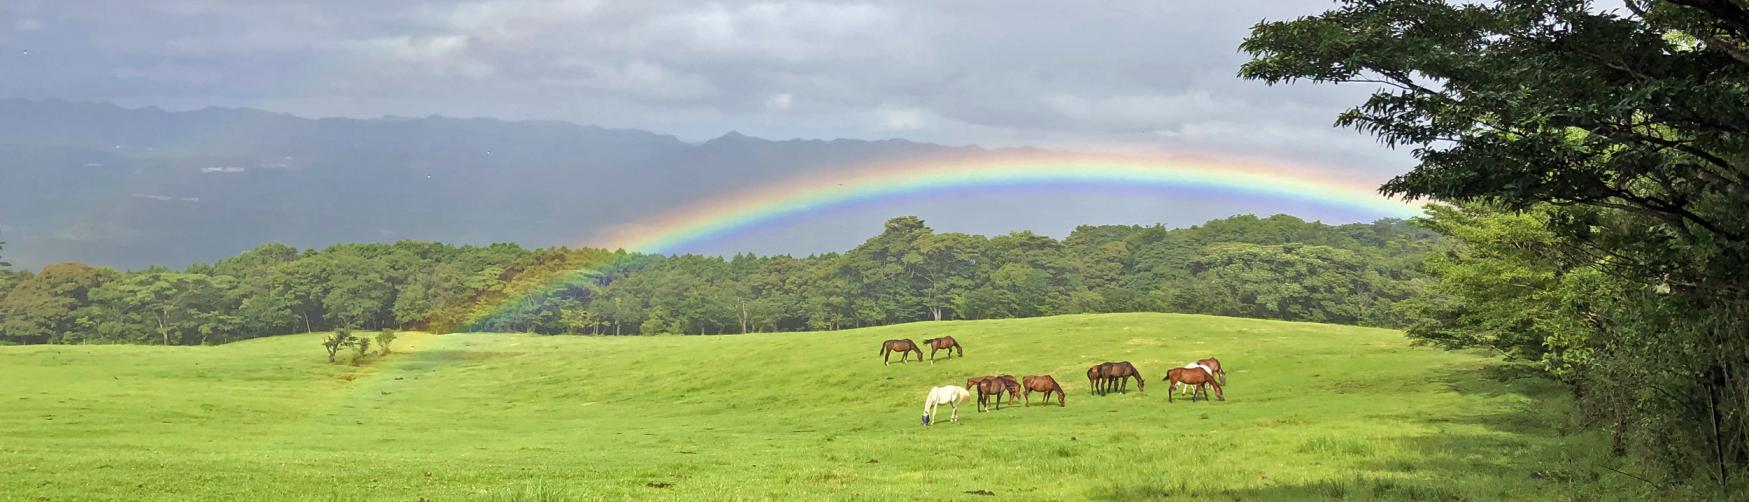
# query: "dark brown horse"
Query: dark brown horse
1045,384
1215,364
1093,380
946,343
1117,376
1013,386
991,386
1198,378
901,346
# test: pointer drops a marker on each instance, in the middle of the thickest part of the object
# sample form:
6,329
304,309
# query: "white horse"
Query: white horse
951,395
1188,389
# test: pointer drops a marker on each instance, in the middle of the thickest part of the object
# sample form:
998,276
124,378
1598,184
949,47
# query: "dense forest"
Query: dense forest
1277,267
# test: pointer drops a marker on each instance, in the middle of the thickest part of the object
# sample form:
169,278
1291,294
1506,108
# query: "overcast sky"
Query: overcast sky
1128,76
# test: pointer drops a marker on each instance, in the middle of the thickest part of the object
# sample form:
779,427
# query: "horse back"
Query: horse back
1212,363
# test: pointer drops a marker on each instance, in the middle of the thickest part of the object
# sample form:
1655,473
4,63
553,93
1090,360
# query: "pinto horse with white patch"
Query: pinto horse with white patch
951,395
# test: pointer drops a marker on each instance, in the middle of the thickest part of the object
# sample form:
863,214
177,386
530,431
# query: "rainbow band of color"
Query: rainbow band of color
671,233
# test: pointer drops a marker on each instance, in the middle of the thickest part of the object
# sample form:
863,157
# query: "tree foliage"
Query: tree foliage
1276,267
1599,161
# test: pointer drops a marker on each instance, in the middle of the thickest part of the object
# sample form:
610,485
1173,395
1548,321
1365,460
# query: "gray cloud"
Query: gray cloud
1125,75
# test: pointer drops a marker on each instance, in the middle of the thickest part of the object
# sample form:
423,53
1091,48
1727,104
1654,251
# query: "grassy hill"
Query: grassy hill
1313,411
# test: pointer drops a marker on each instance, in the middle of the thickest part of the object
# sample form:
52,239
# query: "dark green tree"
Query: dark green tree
1623,129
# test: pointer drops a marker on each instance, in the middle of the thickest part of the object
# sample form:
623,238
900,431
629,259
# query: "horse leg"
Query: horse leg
886,358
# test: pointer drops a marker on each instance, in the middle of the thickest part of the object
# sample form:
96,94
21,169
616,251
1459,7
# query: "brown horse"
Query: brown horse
1013,386
1093,379
902,346
992,386
1117,376
1045,384
1197,378
946,343
972,383
1215,364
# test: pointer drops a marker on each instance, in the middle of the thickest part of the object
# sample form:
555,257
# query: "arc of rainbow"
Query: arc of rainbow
671,232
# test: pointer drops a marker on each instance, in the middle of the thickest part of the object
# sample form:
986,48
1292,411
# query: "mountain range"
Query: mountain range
129,187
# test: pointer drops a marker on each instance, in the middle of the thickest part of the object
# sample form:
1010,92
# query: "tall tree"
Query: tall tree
1624,129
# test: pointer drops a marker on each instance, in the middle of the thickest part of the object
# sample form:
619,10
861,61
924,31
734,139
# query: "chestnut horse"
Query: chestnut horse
1215,366
1197,378
1045,384
1117,376
946,343
1186,389
994,385
1093,380
901,346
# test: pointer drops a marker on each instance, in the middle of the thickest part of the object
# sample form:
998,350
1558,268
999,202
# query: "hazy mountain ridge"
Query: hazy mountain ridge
128,187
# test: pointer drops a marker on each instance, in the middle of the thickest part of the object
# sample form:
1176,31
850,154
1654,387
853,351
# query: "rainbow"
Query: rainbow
672,232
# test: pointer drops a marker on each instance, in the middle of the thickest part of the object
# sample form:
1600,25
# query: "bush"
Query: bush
384,338
340,338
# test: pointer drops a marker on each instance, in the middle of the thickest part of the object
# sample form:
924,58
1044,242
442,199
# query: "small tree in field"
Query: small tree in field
384,338
361,348
341,337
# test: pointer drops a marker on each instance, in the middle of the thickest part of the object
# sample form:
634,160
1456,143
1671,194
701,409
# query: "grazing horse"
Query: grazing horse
1093,379
993,386
1197,378
902,346
1214,366
1045,384
1013,386
946,343
1198,364
949,395
1117,376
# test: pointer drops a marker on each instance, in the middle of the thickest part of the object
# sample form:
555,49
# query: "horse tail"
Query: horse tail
883,350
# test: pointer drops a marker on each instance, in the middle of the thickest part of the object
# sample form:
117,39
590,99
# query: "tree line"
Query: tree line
1277,267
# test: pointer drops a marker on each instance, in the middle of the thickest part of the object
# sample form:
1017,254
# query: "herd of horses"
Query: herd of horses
1196,378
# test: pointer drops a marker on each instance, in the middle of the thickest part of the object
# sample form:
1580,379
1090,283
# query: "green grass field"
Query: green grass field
1312,411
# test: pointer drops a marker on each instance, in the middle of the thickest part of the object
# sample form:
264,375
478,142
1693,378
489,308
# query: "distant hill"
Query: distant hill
131,187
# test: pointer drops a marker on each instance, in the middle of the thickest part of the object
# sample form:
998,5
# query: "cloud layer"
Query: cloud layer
1125,75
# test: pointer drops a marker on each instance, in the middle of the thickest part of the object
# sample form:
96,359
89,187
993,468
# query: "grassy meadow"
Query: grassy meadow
1312,412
